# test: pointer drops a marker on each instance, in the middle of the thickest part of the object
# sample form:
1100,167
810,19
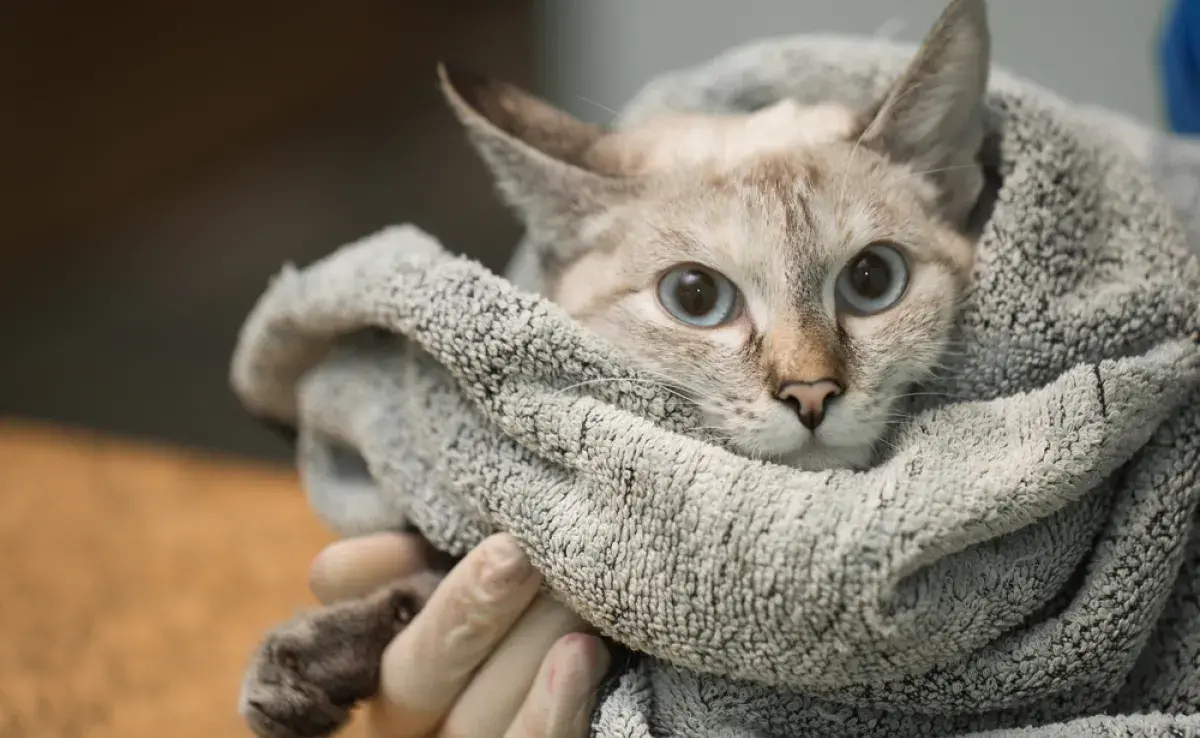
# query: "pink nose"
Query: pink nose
810,399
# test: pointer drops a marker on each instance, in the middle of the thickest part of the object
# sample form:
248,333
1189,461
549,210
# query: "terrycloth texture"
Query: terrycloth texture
1028,555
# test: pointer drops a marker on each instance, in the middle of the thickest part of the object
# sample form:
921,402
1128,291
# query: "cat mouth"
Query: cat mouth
777,436
780,448
811,452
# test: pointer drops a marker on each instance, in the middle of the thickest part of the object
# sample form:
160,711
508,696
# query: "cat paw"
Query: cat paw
308,674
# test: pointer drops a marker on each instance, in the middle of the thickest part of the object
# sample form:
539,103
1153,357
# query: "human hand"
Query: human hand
487,657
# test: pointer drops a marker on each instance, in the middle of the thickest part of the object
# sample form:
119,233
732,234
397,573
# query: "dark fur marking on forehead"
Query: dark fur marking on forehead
814,176
797,212
787,185
805,283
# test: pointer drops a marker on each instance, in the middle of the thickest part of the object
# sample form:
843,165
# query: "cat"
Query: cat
794,271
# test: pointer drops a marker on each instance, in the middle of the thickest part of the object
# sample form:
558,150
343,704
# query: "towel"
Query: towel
1025,562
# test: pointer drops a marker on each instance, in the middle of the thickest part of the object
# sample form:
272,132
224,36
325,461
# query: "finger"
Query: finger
563,695
430,662
503,682
356,567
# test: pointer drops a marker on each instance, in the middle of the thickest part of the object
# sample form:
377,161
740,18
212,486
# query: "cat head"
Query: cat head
795,271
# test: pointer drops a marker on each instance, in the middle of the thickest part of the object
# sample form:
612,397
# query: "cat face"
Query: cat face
793,296
794,271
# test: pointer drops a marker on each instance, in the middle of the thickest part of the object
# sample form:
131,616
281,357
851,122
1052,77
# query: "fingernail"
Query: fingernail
505,563
507,551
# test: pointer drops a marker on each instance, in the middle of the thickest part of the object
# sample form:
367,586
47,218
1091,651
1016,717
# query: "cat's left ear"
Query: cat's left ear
932,118
543,160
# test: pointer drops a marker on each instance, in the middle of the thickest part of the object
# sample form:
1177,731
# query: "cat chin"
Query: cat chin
810,454
779,438
820,457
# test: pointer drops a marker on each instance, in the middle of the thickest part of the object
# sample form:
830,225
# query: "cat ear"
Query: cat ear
541,157
932,117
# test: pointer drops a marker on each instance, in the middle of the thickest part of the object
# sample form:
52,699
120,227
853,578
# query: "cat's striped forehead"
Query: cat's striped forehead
779,225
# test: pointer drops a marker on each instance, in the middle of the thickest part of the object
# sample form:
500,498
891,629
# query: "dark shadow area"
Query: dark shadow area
149,197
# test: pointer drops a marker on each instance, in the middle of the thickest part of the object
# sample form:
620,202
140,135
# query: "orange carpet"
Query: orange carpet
134,581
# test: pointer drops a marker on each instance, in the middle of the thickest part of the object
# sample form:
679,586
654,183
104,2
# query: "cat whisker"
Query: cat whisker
858,142
941,364
890,29
907,395
603,380
898,421
666,379
846,169
605,108
680,391
940,170
891,446
898,411
654,373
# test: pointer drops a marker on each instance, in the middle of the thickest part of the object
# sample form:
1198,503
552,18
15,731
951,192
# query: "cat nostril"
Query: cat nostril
810,398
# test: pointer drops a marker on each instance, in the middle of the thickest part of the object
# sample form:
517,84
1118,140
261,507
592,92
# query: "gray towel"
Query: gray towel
1026,561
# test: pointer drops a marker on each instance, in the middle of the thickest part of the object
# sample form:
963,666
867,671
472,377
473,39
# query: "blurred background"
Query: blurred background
160,161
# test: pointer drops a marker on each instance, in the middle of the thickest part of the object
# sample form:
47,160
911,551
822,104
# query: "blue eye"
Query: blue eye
873,281
698,296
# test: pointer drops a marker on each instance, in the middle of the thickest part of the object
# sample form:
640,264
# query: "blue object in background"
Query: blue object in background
1179,61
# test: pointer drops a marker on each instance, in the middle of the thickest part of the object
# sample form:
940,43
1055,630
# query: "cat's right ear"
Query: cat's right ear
541,157
932,118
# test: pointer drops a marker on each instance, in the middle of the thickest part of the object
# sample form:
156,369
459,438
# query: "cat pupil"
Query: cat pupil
696,292
870,276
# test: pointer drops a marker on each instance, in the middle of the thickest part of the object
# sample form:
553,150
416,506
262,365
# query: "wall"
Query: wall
189,185
598,52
